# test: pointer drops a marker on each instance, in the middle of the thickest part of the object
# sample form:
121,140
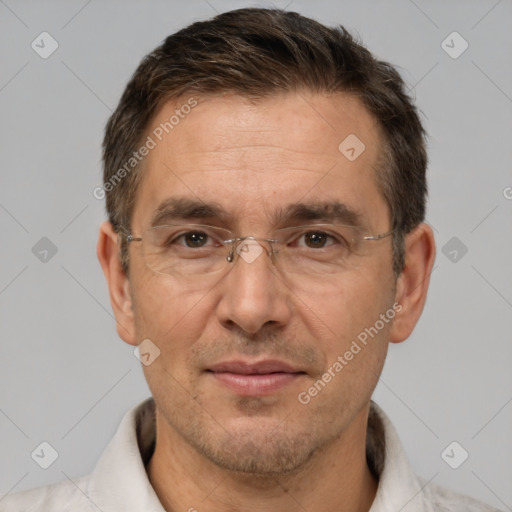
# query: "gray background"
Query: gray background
66,378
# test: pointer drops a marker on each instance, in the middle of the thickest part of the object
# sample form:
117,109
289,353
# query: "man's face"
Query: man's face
252,160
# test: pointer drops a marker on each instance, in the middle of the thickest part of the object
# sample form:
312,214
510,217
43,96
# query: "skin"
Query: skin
230,452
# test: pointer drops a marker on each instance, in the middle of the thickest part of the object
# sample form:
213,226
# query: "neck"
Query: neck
336,478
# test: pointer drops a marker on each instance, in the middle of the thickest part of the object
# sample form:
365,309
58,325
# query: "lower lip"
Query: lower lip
255,385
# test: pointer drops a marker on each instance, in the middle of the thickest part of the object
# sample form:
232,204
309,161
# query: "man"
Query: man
265,185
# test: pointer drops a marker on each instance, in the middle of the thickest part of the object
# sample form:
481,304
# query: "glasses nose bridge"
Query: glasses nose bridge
237,243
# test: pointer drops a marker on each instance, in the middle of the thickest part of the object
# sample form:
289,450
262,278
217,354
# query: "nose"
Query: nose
253,293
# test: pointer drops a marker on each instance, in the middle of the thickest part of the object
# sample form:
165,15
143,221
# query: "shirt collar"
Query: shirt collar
120,482
399,488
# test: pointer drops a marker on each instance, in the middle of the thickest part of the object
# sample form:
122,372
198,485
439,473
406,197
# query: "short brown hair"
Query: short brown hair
256,53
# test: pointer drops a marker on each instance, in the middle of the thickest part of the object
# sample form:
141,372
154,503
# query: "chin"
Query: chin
266,450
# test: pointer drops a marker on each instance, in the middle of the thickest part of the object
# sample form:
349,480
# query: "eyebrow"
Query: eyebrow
177,208
324,211
174,209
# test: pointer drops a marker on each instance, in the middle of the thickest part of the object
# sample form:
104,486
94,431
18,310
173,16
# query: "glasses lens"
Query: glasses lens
319,249
185,249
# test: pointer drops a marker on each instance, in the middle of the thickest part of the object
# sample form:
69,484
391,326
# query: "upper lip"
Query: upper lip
260,367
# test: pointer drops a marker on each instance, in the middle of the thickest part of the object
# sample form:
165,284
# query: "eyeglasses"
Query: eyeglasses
196,250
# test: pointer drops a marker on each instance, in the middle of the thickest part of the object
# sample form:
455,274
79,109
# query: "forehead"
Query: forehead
253,157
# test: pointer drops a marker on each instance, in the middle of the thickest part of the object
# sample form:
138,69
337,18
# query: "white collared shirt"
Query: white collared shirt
119,482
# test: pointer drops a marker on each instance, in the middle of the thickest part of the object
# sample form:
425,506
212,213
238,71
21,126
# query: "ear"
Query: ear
118,282
412,284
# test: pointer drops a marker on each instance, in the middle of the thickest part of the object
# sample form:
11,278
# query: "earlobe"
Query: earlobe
412,284
117,281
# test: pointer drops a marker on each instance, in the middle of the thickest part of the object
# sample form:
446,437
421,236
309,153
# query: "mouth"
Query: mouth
255,379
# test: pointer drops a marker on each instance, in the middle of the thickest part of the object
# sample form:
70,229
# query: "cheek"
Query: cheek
345,319
354,345
173,320
166,314
338,310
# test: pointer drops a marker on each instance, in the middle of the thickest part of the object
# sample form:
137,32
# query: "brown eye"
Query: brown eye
195,238
316,239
